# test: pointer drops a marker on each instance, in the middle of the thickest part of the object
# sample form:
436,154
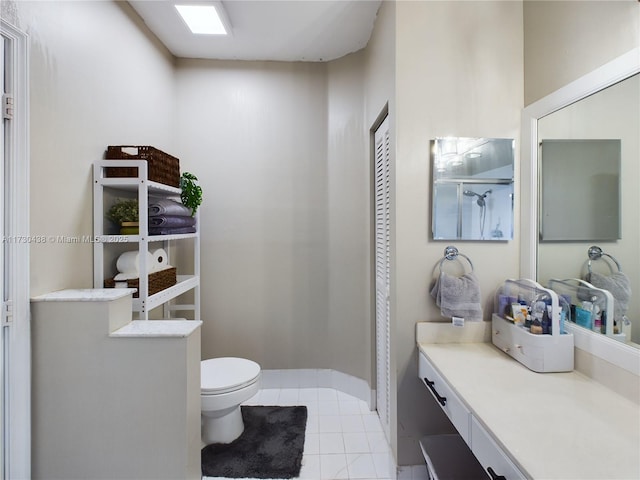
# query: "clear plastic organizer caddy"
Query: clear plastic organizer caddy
528,324
591,307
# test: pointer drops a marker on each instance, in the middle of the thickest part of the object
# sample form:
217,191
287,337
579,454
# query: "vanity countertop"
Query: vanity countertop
85,295
157,328
552,425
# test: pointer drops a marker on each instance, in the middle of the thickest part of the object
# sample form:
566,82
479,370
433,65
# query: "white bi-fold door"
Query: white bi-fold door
382,206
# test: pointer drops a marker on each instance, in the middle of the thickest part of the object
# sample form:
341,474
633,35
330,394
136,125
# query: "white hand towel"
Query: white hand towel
458,296
619,286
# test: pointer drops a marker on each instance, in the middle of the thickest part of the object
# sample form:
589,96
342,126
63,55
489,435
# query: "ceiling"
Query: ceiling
283,30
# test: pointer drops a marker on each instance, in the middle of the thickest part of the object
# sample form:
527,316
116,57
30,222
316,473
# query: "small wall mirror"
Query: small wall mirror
472,188
579,190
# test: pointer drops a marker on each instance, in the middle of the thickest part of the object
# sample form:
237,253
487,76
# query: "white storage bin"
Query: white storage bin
551,351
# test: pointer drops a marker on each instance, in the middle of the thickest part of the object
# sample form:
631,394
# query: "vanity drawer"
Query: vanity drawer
507,340
449,401
540,353
490,455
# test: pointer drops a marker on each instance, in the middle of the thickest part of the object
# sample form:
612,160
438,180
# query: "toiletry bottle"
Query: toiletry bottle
504,306
586,314
597,319
546,323
565,312
536,327
538,309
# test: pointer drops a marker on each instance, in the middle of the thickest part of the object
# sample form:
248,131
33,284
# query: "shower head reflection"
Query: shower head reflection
481,202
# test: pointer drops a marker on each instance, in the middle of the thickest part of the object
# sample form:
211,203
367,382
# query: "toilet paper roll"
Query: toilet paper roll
129,262
160,261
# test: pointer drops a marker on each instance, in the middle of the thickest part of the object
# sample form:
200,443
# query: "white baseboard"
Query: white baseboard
319,378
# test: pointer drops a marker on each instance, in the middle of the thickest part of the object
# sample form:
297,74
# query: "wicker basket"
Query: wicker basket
158,281
162,167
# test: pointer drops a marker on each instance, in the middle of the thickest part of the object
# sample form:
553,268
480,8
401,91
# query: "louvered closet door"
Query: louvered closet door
382,266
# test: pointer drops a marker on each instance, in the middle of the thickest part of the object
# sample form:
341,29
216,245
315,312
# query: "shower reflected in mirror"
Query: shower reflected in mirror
483,207
472,188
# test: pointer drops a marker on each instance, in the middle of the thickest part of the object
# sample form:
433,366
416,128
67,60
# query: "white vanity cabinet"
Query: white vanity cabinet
107,246
493,459
524,424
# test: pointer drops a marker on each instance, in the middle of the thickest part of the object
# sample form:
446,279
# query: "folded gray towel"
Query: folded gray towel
171,231
165,206
619,286
171,221
458,296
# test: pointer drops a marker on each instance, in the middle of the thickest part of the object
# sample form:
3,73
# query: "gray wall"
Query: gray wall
458,72
282,152
98,78
564,40
255,135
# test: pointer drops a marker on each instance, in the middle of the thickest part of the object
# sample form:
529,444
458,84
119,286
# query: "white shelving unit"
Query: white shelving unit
104,243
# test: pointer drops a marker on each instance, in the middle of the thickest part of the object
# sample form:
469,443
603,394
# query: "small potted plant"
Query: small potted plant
126,214
191,195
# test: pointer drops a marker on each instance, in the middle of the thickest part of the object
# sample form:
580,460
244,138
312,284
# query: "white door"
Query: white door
3,328
15,395
382,267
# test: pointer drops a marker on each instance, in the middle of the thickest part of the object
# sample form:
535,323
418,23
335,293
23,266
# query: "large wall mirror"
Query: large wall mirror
603,105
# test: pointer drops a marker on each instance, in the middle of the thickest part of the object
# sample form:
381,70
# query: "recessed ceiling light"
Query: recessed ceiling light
202,19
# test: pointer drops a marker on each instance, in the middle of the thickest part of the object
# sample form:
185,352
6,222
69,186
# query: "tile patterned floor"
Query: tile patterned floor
344,439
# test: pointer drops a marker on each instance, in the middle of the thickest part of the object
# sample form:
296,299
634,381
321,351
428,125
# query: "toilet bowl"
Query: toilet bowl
224,384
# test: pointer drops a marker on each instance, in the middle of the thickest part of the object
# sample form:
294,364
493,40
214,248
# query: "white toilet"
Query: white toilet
224,384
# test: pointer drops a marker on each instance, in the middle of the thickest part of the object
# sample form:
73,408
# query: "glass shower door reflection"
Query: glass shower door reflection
473,211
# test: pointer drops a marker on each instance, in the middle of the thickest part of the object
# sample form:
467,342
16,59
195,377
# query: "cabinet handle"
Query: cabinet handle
442,400
494,475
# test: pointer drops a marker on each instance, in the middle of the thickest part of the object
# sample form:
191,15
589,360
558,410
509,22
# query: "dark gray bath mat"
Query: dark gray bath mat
270,447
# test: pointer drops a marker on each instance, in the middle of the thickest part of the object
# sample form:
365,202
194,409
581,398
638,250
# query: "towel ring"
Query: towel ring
451,253
596,253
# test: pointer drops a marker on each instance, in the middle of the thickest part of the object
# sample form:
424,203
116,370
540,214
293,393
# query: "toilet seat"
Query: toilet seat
227,374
